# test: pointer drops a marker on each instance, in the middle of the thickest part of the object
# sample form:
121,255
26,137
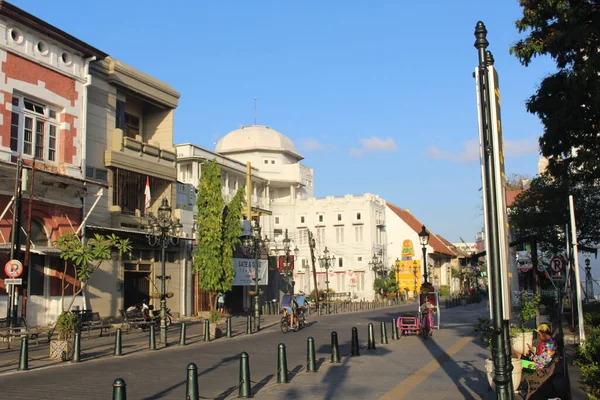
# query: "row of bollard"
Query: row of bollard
335,307
461,300
244,388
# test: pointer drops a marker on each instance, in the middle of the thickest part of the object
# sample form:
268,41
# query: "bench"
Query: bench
91,321
21,330
539,377
136,320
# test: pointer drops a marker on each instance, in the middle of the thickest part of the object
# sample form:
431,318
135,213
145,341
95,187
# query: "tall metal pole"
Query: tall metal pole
28,243
425,264
256,279
313,258
327,286
163,294
15,248
576,267
499,349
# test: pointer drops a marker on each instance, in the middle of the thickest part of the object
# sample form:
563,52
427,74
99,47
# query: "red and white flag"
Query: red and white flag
148,197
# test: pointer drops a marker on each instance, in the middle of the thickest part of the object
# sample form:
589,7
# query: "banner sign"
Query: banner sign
244,270
407,248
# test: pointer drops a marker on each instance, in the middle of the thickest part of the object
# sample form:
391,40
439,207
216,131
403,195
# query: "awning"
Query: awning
41,250
124,230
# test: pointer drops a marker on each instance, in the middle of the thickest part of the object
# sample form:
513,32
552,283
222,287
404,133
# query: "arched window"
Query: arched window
38,233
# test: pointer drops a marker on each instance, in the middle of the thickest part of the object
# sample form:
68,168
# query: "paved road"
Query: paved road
161,374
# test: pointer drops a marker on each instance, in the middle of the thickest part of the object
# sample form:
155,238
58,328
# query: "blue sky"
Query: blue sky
377,95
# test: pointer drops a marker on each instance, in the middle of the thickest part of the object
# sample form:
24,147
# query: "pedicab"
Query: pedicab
413,322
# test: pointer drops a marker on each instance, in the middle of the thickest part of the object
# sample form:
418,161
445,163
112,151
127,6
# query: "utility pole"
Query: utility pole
15,248
311,244
28,244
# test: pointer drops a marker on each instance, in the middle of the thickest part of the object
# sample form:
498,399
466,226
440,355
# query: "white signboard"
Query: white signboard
244,270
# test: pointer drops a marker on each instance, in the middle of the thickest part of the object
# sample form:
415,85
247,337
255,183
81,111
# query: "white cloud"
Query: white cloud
470,152
373,144
311,144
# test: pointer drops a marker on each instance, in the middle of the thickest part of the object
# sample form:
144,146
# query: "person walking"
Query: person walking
221,303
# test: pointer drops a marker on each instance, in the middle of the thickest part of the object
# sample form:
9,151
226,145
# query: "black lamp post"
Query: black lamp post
424,239
589,282
163,232
252,246
288,263
415,277
326,262
397,265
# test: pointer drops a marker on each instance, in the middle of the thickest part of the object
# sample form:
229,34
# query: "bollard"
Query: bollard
371,339
77,350
282,371
244,387
24,357
206,330
384,338
152,338
191,385
311,363
354,346
248,325
395,329
118,351
335,349
119,389
228,334
182,338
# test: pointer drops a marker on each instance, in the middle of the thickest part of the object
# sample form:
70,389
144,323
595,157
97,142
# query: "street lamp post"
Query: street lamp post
424,239
163,232
288,265
397,264
326,262
589,282
252,246
415,278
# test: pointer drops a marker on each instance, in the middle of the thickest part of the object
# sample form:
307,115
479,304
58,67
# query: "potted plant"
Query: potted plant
521,336
155,295
485,331
215,329
168,295
62,348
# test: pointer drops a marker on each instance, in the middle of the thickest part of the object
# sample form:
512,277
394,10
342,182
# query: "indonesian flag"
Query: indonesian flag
148,197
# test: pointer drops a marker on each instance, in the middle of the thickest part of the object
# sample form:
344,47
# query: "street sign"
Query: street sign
352,281
13,281
557,264
13,268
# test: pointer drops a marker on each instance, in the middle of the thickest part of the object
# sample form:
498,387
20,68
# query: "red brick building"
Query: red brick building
44,75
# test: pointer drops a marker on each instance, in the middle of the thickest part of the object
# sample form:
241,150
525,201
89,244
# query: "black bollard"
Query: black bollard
119,389
191,385
248,325
118,350
77,350
152,338
384,338
371,339
311,362
244,387
24,357
394,329
354,346
228,334
335,348
282,371
182,338
206,330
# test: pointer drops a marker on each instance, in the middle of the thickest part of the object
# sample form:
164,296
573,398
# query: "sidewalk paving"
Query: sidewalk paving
455,369
94,346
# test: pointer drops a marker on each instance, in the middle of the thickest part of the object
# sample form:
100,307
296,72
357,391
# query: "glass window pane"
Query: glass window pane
28,136
39,139
14,132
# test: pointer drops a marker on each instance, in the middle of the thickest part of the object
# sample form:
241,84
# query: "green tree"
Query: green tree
567,101
87,258
543,211
385,286
218,231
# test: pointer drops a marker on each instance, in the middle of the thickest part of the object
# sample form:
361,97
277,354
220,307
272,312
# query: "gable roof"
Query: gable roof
435,242
511,196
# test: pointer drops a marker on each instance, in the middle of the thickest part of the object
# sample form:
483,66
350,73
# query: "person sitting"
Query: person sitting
289,305
427,309
543,355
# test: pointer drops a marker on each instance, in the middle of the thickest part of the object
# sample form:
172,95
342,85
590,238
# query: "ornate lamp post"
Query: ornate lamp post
326,263
163,232
288,262
415,277
252,246
376,264
589,282
424,239
397,264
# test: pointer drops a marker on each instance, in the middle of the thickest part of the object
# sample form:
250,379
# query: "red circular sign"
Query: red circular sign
13,268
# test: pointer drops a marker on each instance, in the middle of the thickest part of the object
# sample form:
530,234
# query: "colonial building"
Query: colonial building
403,232
44,80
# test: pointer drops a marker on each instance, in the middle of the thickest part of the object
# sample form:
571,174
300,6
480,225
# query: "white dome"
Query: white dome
256,137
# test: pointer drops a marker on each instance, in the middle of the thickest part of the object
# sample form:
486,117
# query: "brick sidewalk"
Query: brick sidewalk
93,346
